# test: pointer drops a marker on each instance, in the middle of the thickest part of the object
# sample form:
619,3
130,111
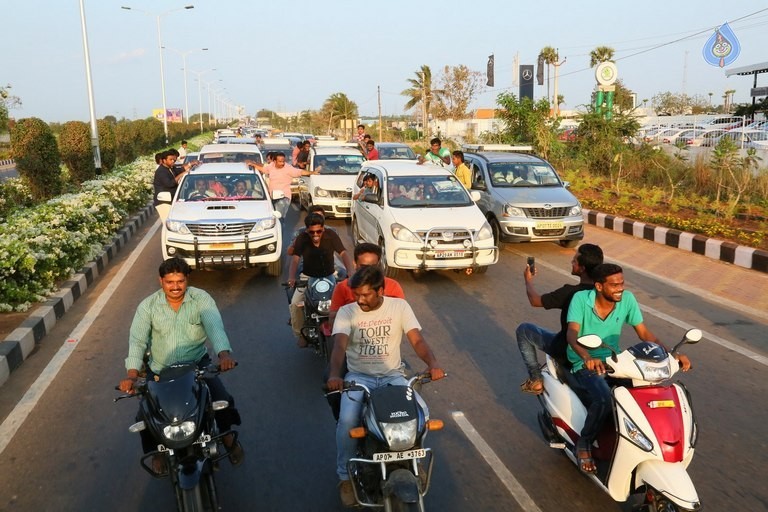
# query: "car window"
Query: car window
426,191
514,174
396,153
338,164
232,156
221,187
477,174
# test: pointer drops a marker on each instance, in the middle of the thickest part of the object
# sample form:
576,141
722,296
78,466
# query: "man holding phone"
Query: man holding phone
530,336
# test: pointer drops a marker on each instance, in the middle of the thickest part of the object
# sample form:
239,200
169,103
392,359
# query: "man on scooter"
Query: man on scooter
173,324
369,332
531,337
601,311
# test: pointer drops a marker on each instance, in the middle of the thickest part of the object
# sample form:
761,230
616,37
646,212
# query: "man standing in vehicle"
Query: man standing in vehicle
280,176
437,154
531,337
602,311
173,324
369,333
316,246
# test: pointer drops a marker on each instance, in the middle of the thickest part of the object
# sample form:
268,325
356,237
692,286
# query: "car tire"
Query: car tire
570,244
390,272
356,238
496,230
275,269
481,270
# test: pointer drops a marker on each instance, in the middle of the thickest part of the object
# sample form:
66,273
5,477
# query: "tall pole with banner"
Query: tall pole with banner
526,81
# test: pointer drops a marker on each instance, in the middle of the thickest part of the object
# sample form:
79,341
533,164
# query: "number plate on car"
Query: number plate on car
550,225
449,254
419,453
345,204
222,246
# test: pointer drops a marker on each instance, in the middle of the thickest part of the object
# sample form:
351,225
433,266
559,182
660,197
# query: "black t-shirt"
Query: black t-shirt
165,181
318,261
302,159
561,299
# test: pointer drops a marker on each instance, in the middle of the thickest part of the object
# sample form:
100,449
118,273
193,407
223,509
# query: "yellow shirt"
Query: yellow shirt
464,176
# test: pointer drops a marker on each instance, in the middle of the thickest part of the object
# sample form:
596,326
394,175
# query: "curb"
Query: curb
728,252
22,341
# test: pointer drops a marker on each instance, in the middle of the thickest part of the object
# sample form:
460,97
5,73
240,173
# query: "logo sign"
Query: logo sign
722,48
606,73
526,81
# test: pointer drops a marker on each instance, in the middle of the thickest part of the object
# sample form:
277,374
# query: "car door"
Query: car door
369,213
481,183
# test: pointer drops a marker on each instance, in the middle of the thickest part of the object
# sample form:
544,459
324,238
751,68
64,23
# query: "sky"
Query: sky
291,56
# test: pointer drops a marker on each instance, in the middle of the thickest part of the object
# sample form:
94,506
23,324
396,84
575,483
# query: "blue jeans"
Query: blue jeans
351,414
598,393
529,338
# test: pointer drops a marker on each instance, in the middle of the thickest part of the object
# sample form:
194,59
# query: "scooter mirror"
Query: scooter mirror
693,336
590,341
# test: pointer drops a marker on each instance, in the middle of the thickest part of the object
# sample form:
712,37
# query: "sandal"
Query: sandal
235,450
532,386
585,461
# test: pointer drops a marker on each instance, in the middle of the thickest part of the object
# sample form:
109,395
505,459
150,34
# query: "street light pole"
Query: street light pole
200,94
91,104
160,48
185,116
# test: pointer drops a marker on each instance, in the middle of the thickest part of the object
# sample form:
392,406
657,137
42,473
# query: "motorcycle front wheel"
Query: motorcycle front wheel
393,504
192,500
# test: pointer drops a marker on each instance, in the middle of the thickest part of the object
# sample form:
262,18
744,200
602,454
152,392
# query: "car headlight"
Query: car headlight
180,432
576,210
321,192
485,232
513,211
263,224
636,436
404,234
400,436
177,227
324,306
654,372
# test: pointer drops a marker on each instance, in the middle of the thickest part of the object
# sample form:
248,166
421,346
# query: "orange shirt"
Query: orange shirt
342,294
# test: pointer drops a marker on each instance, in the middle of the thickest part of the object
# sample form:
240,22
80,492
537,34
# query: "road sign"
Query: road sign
758,91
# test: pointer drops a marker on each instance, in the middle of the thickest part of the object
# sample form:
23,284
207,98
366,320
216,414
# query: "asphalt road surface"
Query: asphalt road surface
73,452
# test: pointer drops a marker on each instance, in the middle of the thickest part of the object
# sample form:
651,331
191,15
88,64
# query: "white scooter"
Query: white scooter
649,444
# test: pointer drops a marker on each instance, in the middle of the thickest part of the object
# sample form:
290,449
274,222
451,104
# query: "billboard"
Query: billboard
174,114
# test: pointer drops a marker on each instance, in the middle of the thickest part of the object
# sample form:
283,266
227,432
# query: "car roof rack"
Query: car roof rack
505,148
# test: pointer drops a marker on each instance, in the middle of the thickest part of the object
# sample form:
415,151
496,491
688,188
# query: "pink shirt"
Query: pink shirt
280,179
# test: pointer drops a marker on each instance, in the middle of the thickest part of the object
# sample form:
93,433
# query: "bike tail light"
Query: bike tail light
357,433
435,425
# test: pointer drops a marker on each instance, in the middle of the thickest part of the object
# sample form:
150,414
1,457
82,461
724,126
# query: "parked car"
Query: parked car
423,219
332,188
701,137
222,216
222,153
395,151
747,139
524,200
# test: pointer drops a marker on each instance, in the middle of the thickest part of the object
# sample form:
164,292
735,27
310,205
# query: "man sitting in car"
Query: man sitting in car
201,191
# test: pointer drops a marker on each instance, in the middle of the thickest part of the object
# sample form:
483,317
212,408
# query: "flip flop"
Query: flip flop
586,462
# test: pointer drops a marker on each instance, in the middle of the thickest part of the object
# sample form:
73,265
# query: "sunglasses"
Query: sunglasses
315,231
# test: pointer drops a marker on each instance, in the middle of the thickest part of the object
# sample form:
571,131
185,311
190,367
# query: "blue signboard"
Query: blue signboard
722,48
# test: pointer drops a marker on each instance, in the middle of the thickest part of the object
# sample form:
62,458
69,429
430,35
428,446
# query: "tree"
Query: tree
338,107
33,146
679,104
7,102
529,122
76,151
421,92
459,85
600,54
549,56
622,99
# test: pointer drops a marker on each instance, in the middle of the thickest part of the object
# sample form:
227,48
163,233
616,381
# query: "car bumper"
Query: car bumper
239,252
530,230
337,208
444,259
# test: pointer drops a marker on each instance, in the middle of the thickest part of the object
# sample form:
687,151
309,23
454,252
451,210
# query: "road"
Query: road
73,451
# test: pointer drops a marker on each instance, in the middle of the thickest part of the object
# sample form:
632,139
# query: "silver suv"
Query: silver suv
524,199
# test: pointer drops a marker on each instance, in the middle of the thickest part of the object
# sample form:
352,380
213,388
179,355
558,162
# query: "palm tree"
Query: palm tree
600,54
549,56
339,107
421,92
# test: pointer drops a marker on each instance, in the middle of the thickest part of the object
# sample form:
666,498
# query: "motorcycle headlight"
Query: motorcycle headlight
264,224
179,432
485,232
636,436
321,192
404,234
654,372
513,211
400,436
324,306
576,210
177,227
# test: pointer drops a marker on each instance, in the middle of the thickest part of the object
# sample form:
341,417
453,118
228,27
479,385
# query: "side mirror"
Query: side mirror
590,341
371,198
479,186
567,184
475,195
693,336
277,214
164,197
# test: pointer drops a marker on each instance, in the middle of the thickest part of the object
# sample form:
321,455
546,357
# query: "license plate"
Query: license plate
449,254
222,246
419,453
203,439
345,204
550,225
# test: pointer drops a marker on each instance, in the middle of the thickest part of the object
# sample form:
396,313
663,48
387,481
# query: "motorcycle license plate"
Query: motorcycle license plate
203,439
440,255
419,453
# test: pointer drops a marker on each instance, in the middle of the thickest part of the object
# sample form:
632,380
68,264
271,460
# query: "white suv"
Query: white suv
222,216
423,219
332,188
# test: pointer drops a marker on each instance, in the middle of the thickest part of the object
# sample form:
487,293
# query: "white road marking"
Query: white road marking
510,482
674,321
16,418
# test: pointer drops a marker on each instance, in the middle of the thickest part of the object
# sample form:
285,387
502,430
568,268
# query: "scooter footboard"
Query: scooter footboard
670,479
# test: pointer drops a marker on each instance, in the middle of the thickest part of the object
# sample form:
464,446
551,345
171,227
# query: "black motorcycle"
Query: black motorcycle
178,413
318,292
392,468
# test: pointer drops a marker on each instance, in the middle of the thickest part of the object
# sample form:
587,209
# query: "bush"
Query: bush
107,145
125,140
76,151
38,162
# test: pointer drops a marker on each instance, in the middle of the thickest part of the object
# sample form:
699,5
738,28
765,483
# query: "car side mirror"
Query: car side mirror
371,198
479,185
164,197
475,195
277,214
590,341
566,184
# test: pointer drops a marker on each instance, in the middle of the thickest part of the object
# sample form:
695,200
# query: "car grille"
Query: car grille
548,232
340,194
543,213
453,236
221,229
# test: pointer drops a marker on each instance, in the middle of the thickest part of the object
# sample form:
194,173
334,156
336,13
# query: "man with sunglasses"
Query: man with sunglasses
316,247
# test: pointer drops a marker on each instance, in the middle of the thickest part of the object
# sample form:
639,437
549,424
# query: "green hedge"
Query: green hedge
77,152
38,162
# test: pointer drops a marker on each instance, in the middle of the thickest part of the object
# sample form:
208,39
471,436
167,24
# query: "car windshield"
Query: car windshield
221,187
426,191
396,153
338,164
514,174
230,156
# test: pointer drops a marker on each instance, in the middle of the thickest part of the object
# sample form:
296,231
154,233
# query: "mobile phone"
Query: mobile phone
532,264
